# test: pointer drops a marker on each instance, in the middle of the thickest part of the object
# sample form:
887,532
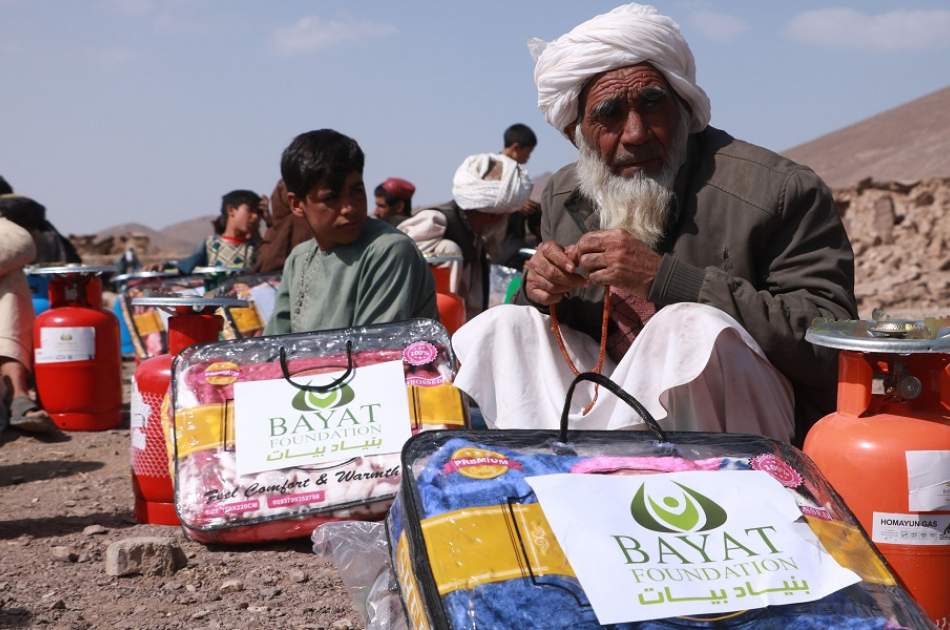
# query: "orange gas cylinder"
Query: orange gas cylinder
886,450
192,321
451,306
451,311
78,368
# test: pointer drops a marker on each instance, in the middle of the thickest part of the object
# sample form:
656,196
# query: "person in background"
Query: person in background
394,200
520,142
284,232
235,239
486,188
427,229
524,226
17,407
128,262
356,270
51,246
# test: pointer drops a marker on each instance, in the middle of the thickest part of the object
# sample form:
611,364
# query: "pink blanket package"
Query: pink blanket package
272,436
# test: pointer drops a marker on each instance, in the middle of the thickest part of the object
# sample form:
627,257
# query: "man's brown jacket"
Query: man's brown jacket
751,233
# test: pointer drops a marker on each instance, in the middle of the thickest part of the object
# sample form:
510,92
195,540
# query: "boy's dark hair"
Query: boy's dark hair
234,199
322,156
520,134
5,187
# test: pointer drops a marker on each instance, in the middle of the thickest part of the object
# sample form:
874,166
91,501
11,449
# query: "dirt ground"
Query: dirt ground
51,492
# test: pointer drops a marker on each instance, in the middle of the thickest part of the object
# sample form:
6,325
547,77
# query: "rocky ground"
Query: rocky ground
63,503
901,240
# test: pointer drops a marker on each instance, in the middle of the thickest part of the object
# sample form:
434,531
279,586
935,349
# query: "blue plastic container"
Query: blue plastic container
39,287
125,338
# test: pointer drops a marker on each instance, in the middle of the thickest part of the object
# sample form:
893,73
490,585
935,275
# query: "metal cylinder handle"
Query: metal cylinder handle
197,303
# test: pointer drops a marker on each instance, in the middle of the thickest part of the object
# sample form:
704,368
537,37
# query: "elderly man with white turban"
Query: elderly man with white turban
486,188
683,263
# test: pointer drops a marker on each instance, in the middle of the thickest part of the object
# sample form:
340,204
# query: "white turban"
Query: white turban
497,196
628,35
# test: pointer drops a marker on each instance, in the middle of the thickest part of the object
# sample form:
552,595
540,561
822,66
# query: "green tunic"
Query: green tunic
379,278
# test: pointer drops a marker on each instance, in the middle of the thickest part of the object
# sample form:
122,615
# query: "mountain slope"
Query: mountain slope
158,241
907,143
192,231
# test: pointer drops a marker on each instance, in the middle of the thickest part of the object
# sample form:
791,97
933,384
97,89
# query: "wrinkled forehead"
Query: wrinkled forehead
625,82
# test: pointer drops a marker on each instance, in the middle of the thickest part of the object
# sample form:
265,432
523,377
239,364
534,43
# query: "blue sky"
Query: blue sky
149,110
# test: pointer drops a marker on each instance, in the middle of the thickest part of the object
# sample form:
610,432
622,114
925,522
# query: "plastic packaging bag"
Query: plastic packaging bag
260,291
500,278
147,325
473,547
359,551
217,504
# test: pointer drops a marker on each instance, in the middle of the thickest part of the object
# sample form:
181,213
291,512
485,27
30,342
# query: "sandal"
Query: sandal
4,410
26,415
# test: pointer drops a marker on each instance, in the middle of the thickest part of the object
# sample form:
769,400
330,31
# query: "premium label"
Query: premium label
477,463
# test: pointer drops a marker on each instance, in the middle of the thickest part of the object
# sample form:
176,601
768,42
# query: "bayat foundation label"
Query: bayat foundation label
277,425
692,543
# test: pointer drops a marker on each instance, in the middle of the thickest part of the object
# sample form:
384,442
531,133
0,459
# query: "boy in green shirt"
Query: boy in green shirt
356,270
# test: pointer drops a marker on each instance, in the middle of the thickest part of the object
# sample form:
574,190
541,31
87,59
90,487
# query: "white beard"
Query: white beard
639,204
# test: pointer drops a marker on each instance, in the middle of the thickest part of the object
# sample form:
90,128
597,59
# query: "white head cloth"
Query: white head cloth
628,35
497,196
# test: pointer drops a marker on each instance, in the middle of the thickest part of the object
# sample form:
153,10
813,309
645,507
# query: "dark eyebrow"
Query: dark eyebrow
607,108
652,93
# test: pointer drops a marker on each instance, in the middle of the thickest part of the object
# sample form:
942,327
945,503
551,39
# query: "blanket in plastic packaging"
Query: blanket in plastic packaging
472,547
259,291
147,325
271,436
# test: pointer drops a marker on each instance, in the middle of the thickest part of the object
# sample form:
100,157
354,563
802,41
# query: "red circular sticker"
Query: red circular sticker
778,468
420,353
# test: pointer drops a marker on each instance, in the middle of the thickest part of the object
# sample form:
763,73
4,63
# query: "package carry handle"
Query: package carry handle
617,391
320,389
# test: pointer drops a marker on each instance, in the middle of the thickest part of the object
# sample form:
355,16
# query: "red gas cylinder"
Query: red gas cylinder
451,306
193,320
76,351
886,449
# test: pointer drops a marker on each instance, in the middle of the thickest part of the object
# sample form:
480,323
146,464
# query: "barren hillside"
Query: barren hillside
192,231
907,143
158,240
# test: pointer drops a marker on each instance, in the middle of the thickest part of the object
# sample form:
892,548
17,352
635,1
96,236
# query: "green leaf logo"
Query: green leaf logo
313,401
688,512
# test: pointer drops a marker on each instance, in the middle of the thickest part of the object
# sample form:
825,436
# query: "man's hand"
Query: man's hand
550,273
616,258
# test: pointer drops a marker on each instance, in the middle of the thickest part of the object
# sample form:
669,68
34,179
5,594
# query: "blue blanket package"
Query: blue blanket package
455,475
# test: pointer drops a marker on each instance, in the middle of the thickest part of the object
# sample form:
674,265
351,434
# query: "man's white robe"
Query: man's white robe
692,366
